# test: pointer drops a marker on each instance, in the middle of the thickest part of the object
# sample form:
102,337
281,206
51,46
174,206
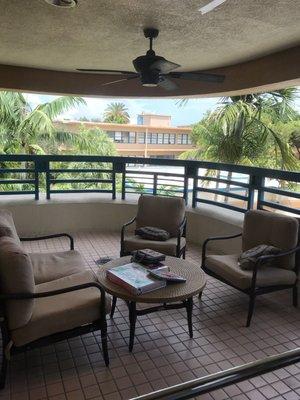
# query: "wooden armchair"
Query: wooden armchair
260,227
163,212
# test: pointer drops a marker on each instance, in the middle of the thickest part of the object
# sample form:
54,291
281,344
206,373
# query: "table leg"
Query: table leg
189,310
132,321
113,306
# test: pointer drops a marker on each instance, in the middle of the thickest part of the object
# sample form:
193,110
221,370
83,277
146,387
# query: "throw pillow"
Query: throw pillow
152,233
248,258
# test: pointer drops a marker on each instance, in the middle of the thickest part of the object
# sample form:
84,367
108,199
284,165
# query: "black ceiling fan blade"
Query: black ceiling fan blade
120,80
198,76
167,84
105,71
164,66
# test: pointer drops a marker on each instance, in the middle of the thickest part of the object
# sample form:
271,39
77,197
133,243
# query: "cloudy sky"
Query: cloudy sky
188,114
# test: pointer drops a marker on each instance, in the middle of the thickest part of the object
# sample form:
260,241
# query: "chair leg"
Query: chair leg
250,309
295,296
113,306
183,254
4,359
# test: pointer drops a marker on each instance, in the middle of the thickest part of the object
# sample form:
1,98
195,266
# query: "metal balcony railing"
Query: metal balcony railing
234,187
208,383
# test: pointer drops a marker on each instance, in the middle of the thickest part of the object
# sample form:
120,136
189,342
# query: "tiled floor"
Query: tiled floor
163,353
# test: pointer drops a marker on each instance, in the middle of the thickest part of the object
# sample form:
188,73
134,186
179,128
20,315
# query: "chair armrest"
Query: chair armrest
182,227
216,238
261,259
57,235
278,255
124,227
181,233
20,296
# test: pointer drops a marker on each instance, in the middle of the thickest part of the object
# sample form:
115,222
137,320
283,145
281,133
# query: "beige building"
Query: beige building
152,136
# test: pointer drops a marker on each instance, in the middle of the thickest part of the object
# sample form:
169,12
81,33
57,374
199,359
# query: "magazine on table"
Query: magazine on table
135,278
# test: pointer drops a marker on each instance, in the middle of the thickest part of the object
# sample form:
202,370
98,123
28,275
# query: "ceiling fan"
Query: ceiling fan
153,70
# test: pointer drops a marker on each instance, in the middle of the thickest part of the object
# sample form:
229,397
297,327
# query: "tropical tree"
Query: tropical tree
116,112
246,130
30,131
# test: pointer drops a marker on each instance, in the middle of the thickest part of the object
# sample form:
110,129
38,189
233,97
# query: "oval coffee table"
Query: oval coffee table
173,296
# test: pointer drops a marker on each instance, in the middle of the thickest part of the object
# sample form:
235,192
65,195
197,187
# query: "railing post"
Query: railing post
154,191
119,167
260,183
36,182
191,171
251,191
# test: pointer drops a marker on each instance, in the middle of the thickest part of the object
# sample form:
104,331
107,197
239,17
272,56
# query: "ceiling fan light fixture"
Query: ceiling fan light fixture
63,3
211,6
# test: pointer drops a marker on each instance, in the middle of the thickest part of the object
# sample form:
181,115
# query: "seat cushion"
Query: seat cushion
7,225
227,267
168,247
61,312
161,212
50,266
16,276
279,230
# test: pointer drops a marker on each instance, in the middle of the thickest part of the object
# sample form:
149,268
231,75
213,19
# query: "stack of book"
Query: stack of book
135,278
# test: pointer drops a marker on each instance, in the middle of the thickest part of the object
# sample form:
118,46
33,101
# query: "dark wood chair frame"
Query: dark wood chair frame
99,324
255,290
180,252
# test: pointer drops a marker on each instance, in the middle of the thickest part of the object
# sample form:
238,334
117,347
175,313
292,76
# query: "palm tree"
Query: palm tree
30,131
116,112
243,128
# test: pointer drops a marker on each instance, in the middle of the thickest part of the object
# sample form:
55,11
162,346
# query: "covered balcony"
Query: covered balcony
45,45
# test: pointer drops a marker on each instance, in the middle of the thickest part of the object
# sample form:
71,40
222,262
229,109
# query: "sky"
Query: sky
188,114
185,115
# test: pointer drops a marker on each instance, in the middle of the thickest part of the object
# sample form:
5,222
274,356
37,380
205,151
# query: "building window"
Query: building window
159,138
141,138
118,137
183,138
172,138
132,138
111,135
153,138
166,138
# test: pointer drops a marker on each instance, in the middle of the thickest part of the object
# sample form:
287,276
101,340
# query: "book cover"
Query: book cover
135,278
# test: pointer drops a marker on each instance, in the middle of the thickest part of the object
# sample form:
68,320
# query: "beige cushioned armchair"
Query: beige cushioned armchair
260,227
45,297
163,212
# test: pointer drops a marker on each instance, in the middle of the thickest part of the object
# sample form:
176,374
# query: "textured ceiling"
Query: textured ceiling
108,34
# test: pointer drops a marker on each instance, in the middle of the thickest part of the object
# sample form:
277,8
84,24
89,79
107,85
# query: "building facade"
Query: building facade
152,136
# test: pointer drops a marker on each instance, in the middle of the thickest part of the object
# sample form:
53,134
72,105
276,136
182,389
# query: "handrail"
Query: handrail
106,174
208,383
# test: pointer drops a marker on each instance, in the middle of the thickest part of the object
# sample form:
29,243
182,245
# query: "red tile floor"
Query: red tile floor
163,354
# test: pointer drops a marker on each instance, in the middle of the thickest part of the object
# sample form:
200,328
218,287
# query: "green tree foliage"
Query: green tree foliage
258,129
30,131
117,113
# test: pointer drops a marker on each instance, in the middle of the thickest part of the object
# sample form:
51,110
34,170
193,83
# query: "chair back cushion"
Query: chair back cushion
7,226
161,212
265,227
16,276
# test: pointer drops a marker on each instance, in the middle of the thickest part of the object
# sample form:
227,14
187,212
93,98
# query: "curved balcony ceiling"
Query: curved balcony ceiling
254,43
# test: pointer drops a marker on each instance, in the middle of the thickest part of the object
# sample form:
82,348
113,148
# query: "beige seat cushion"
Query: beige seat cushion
227,267
50,266
61,312
168,247
7,226
16,276
161,212
263,227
